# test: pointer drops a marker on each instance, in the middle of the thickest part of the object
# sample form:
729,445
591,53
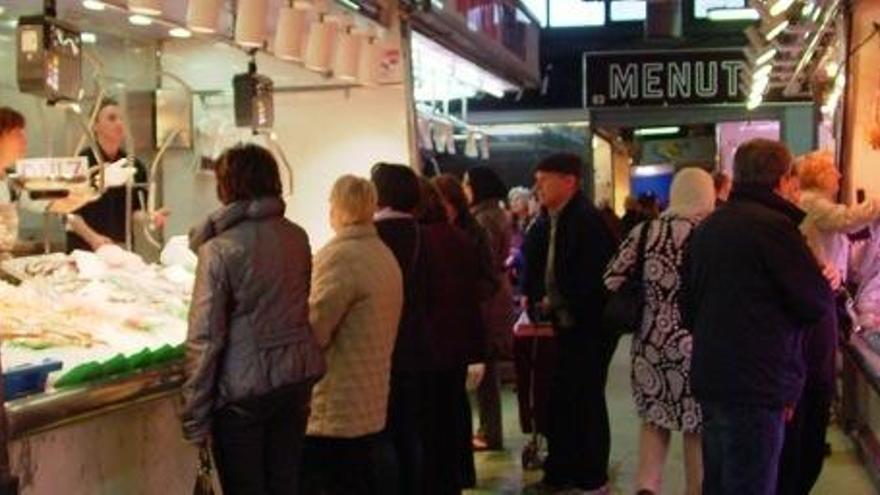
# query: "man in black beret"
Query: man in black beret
566,253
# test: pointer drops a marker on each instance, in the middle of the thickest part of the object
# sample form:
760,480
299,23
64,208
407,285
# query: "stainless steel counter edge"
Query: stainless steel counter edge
30,415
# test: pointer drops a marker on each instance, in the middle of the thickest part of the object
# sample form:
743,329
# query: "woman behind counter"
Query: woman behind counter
103,221
251,355
13,143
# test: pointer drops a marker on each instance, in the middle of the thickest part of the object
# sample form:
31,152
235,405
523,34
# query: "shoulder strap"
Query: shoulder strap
640,249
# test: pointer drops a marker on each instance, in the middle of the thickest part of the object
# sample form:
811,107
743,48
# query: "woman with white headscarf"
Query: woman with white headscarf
661,349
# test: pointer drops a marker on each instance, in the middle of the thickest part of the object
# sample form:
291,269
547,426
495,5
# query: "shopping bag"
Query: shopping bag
204,483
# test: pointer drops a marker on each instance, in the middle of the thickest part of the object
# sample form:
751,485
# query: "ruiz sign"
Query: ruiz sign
661,78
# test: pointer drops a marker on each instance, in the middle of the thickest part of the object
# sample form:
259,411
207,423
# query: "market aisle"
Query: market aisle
501,472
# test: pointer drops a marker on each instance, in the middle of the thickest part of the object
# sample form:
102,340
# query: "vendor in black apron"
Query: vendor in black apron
103,221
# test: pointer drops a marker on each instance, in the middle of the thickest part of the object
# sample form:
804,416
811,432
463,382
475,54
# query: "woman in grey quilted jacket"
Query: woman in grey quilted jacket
252,357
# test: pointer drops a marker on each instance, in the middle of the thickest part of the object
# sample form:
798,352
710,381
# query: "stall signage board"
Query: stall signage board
663,78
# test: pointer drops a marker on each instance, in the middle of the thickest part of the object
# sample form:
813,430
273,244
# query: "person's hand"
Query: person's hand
833,276
788,413
475,375
160,217
100,241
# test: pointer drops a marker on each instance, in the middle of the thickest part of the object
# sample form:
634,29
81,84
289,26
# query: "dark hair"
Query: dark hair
430,208
10,119
107,101
397,186
562,163
451,191
486,185
761,162
246,172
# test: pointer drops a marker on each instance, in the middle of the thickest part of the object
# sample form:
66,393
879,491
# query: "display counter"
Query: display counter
113,427
860,408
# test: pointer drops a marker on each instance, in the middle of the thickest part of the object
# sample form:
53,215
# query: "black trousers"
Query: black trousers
579,437
405,419
447,430
803,452
489,407
257,443
349,466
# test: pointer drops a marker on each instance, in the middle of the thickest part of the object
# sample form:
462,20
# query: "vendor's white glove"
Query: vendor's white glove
475,375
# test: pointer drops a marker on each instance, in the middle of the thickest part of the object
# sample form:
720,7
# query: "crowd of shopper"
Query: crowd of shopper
347,372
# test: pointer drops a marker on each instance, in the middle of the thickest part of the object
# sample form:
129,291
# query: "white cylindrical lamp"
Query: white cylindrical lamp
368,64
348,54
145,7
321,45
291,33
202,16
250,23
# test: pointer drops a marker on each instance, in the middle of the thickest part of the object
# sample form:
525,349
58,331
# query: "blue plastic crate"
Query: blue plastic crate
27,379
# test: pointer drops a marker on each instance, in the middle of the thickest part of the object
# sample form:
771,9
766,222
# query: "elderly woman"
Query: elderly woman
356,302
661,350
485,193
251,356
456,338
825,227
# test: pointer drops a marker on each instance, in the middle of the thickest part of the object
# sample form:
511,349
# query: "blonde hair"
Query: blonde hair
354,200
816,170
692,193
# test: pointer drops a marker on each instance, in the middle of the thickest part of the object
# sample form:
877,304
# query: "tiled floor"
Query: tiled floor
501,472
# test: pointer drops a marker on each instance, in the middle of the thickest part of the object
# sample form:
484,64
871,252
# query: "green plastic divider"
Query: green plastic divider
119,365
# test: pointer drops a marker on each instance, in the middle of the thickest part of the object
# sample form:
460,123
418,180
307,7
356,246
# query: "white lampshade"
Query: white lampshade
348,55
368,65
250,22
470,146
291,34
202,16
321,45
145,7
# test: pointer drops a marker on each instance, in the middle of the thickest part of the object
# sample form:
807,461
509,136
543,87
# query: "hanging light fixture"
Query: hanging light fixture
202,16
348,54
368,64
145,7
321,44
250,23
290,36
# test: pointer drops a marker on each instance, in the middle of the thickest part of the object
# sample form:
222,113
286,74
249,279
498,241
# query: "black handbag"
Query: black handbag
623,311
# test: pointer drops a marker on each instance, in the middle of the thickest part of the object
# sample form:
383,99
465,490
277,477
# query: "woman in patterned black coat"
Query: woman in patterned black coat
661,350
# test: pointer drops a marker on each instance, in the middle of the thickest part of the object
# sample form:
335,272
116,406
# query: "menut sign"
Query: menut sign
658,78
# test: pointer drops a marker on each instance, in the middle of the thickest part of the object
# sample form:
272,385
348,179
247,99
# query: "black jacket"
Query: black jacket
752,288
584,246
406,239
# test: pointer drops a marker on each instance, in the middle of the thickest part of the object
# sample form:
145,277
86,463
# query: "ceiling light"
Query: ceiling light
93,5
321,44
657,131
808,9
2,10
774,28
348,53
250,23
743,14
816,13
754,102
760,57
762,72
290,35
140,20
89,38
145,7
831,68
180,33
780,6
202,16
